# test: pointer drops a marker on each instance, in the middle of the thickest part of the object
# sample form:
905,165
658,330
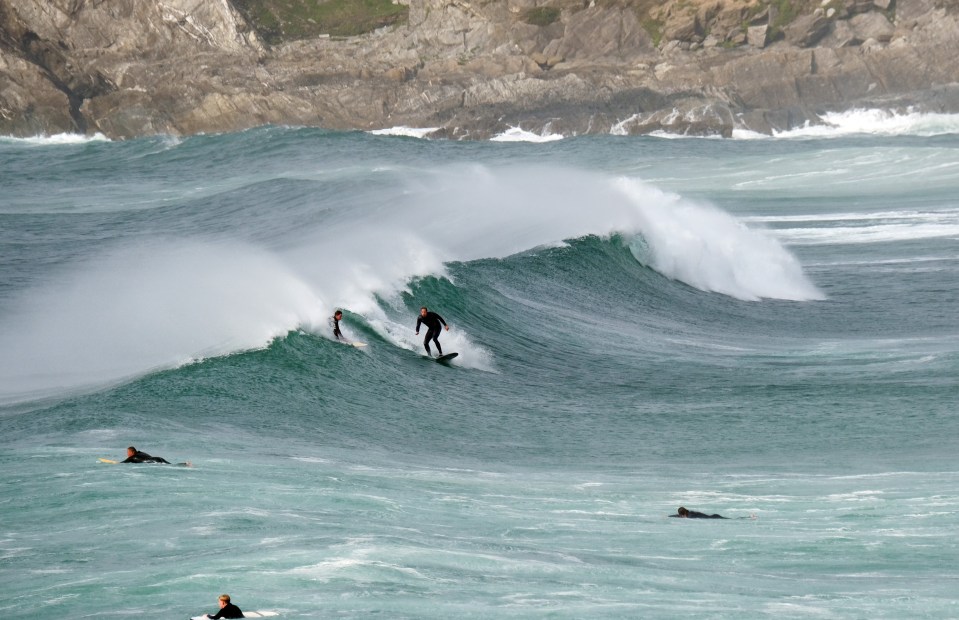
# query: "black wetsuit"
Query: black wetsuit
692,514
228,611
143,457
336,328
433,330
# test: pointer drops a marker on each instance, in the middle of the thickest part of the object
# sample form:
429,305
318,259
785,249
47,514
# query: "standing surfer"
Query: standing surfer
433,330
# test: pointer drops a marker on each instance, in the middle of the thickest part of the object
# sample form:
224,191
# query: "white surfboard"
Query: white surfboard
112,462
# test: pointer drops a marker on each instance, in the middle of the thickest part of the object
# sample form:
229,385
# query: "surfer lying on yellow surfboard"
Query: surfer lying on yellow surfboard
136,456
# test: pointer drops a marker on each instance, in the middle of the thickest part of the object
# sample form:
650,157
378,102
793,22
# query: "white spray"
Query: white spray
136,309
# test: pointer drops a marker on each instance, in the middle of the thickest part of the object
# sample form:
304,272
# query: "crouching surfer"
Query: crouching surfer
227,609
135,456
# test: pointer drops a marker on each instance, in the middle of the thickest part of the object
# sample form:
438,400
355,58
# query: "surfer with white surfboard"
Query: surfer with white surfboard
229,610
335,324
432,321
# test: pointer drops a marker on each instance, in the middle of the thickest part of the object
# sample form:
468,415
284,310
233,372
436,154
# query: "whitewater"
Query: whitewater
762,327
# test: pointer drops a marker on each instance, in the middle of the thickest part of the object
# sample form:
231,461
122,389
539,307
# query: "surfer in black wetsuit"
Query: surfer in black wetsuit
683,513
135,456
335,322
227,609
433,330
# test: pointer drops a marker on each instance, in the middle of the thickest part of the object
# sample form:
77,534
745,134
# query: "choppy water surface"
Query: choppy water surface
764,328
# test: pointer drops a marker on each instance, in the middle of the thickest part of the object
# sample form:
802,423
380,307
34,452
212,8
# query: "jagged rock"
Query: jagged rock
738,36
130,26
53,65
758,36
841,35
807,30
872,26
911,10
687,29
400,74
690,118
29,103
726,19
601,33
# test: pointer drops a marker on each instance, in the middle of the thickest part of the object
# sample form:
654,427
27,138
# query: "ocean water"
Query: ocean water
766,328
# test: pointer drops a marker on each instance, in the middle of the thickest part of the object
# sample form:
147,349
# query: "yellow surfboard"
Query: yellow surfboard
108,461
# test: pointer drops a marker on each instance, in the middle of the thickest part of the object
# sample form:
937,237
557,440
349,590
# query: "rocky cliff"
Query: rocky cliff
474,68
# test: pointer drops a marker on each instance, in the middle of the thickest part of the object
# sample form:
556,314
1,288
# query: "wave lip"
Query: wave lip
711,250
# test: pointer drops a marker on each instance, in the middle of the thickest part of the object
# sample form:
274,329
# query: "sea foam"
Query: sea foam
158,305
852,228
58,139
138,307
518,134
407,132
877,123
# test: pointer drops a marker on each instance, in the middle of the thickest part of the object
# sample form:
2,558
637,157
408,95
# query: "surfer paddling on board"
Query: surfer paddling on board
684,513
227,609
135,456
433,330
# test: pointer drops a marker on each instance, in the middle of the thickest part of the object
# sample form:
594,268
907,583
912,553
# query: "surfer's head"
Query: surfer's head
423,311
131,451
682,512
224,600
338,314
